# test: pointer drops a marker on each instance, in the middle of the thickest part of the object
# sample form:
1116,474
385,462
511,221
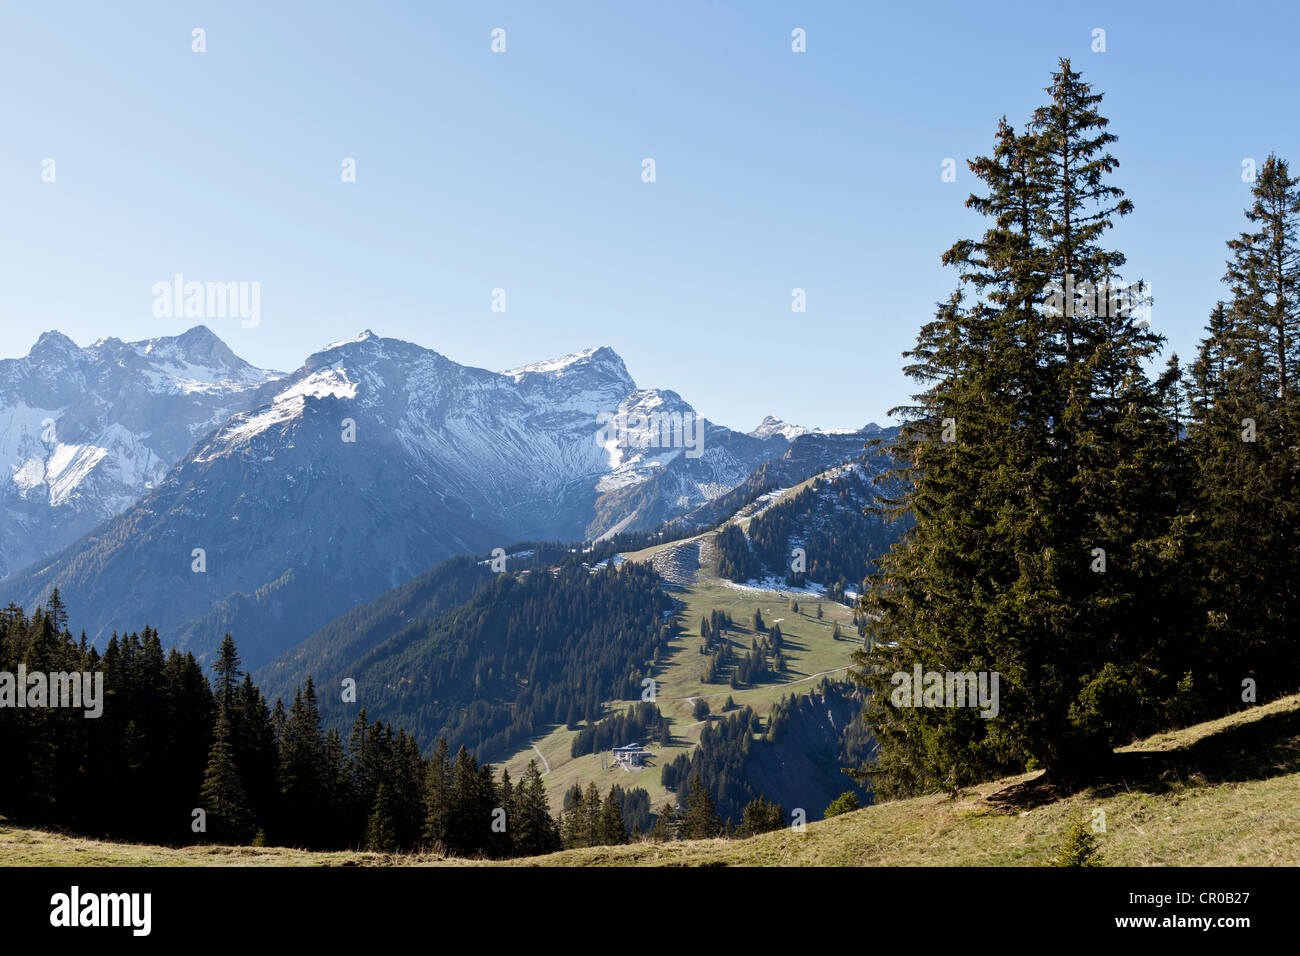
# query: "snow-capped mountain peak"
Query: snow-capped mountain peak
599,362
53,346
195,360
365,336
771,425
84,433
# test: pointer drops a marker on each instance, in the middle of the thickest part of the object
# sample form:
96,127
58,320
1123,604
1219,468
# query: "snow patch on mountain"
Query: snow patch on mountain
288,405
364,336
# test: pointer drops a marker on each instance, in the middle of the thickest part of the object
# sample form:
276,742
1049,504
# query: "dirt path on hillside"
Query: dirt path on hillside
545,763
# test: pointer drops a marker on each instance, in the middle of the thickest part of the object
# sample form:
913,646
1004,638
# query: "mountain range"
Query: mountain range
211,496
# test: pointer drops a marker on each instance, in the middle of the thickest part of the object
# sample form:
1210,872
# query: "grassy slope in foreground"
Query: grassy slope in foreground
1222,793
1225,792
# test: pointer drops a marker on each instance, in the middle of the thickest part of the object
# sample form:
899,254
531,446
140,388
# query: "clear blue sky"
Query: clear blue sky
522,171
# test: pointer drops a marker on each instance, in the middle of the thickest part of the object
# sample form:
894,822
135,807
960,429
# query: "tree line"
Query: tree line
177,759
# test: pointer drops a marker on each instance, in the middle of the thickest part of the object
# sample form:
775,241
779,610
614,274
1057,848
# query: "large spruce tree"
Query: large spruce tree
1244,440
1034,465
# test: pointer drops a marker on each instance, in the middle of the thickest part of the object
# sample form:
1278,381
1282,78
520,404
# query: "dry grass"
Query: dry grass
1221,793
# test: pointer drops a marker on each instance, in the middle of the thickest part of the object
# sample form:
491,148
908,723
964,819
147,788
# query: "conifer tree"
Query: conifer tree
846,802
667,824
613,831
226,668
1244,444
337,794
702,820
574,821
1034,466
255,751
665,732
381,828
222,796
365,763
303,773
57,611
437,794
592,807
469,818
761,816
534,830
507,788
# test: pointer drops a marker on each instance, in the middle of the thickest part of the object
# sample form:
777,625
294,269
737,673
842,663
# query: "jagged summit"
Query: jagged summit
601,359
771,425
368,350
365,336
85,433
197,354
53,345
198,347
